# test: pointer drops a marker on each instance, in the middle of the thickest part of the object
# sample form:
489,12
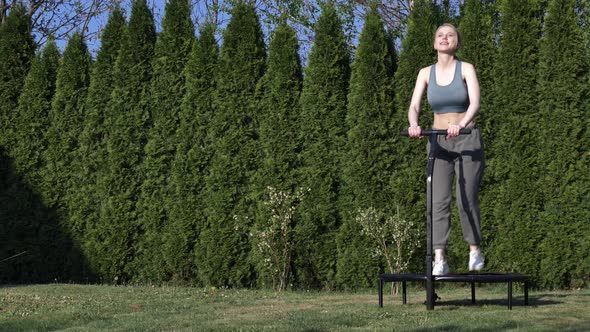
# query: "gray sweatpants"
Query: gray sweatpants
459,157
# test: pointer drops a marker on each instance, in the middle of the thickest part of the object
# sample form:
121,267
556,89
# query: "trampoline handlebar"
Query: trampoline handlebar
464,131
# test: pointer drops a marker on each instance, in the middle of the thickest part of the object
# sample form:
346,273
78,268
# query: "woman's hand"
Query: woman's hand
454,130
414,131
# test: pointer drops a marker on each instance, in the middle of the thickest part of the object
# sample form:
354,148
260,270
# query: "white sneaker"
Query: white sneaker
476,262
440,268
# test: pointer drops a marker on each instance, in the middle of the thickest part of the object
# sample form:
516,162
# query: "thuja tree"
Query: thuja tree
583,10
564,164
65,123
323,136
17,49
281,88
408,181
224,248
370,152
193,154
167,88
31,120
511,150
91,155
125,129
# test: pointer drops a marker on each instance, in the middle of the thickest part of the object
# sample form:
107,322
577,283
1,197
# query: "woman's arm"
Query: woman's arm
414,112
473,91
474,94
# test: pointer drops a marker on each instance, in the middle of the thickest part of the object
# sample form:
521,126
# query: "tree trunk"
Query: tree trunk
3,10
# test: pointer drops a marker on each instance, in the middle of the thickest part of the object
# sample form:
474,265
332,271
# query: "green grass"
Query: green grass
61,307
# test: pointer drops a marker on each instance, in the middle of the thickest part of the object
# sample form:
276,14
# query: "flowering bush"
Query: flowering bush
392,236
274,240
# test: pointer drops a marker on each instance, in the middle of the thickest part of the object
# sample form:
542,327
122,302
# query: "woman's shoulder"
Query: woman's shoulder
467,70
466,66
425,72
427,68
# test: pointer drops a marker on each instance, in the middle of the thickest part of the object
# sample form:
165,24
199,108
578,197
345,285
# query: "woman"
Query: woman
453,93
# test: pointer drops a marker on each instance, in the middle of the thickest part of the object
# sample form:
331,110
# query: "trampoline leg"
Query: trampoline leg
380,291
405,300
510,295
526,293
429,294
472,293
429,284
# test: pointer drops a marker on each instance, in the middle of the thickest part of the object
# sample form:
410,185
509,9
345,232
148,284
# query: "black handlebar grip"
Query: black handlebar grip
464,131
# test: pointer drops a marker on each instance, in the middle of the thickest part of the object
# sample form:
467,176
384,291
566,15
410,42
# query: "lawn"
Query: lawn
65,307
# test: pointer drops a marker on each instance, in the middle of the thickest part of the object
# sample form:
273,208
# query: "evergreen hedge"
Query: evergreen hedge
17,50
168,168
224,247
193,154
155,241
58,176
370,157
119,222
32,119
65,125
85,207
511,162
563,139
323,137
278,121
26,226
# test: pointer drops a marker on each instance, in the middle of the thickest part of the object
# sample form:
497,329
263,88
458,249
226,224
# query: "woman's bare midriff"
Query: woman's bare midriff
443,120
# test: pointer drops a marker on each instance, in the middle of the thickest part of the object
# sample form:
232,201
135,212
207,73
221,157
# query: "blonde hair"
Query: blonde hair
454,29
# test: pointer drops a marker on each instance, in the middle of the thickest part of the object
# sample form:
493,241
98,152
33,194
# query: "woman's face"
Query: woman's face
446,39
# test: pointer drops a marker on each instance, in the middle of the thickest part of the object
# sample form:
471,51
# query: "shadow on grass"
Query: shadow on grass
572,293
453,327
33,325
506,326
78,322
534,301
517,300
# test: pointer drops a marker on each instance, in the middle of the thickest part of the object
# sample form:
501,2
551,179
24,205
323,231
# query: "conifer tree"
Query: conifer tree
31,120
85,203
280,92
370,152
564,166
173,46
582,8
193,154
224,245
510,150
65,125
323,137
17,50
408,181
125,127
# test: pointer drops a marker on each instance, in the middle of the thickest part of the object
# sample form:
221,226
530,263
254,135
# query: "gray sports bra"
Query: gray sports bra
452,98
